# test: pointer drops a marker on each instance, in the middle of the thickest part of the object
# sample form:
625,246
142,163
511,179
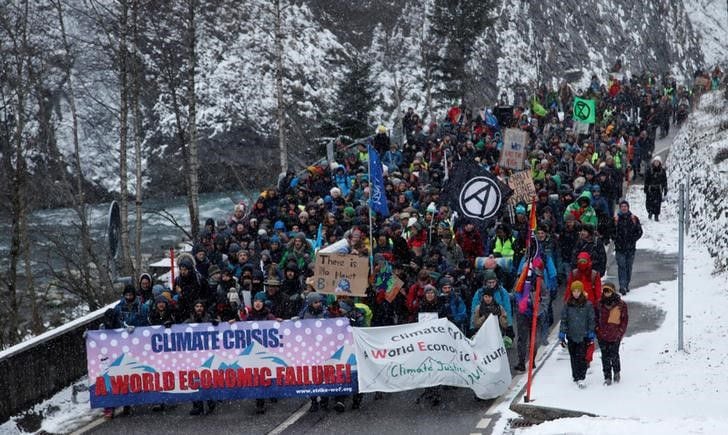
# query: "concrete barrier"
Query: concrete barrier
35,370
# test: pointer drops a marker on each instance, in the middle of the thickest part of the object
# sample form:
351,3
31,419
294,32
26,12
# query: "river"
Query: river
158,234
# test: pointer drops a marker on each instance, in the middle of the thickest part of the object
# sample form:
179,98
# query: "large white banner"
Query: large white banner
426,354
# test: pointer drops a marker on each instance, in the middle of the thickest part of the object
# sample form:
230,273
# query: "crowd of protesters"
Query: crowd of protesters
258,263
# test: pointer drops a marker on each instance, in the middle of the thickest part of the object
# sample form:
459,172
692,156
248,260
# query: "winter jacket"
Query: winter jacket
455,308
567,242
309,313
597,253
550,279
577,320
415,294
471,243
589,278
435,306
585,215
133,313
165,317
392,160
483,310
543,302
501,297
193,287
627,230
613,319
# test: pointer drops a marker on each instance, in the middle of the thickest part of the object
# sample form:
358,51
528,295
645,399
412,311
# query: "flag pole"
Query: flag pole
369,203
532,344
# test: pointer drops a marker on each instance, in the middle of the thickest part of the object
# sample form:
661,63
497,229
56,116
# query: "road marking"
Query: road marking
475,433
88,427
291,419
483,423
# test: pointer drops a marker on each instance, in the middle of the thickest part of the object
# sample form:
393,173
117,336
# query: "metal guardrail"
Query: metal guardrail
36,369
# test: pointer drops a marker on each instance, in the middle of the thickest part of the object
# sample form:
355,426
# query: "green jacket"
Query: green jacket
585,215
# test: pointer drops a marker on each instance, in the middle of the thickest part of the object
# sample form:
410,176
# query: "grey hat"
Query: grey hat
314,297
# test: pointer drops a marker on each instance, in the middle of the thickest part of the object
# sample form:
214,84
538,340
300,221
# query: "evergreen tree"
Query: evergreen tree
356,99
456,25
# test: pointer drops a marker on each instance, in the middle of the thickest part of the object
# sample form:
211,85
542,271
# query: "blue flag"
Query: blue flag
491,121
378,197
319,238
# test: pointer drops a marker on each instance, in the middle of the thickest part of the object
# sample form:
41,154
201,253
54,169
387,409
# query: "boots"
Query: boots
260,406
356,400
617,378
197,408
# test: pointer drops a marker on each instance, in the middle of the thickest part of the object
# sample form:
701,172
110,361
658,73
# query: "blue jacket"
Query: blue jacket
131,314
392,160
343,182
549,277
456,309
501,296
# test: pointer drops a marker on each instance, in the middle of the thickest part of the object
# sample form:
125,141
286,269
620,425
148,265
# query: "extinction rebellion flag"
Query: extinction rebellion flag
585,110
474,193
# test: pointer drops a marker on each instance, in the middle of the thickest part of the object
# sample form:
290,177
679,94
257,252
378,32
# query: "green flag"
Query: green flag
537,108
585,110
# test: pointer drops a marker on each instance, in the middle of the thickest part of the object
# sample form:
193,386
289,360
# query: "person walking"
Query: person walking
613,320
627,230
655,188
577,331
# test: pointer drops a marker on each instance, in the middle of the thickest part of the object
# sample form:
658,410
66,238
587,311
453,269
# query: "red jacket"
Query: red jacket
471,243
589,278
414,295
612,321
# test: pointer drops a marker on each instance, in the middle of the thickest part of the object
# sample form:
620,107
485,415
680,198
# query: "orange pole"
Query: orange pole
532,344
171,268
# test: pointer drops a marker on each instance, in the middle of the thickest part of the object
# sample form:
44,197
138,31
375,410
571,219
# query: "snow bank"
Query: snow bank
692,160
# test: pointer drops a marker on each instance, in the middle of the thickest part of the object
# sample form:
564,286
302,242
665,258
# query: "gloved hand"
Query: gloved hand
168,324
215,322
129,329
590,336
85,334
562,338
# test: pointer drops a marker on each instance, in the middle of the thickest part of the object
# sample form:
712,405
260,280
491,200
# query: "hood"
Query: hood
585,256
147,276
585,194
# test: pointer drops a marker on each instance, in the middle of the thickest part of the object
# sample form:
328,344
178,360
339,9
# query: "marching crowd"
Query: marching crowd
257,264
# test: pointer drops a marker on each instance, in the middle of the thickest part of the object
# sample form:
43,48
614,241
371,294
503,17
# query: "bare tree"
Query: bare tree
15,71
193,200
280,103
122,58
137,129
87,273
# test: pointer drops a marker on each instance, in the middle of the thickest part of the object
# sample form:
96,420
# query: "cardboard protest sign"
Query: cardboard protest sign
341,274
513,154
229,361
523,187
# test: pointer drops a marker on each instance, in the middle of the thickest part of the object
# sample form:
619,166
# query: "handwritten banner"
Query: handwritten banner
341,274
228,361
426,354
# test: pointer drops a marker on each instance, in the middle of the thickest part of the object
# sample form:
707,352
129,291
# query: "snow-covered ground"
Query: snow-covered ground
59,414
662,389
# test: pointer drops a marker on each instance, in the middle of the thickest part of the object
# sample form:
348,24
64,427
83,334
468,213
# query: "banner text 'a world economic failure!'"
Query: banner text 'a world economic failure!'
227,361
